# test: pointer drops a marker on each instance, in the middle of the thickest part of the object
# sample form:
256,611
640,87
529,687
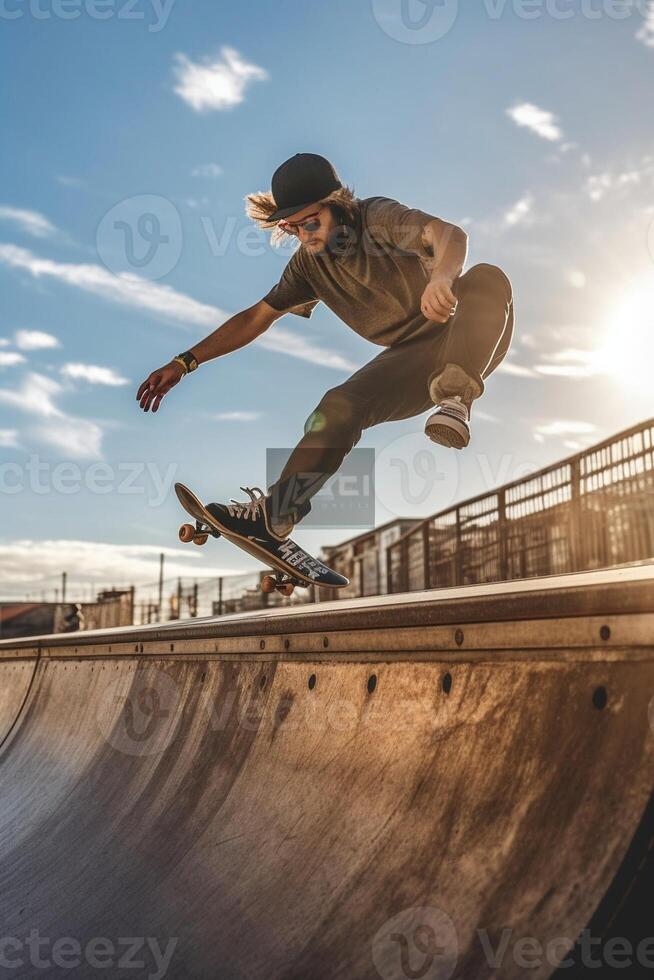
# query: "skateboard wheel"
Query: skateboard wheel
268,584
200,539
186,533
286,589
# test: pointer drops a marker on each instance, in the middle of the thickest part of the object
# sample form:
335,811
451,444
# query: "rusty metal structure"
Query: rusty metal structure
343,790
592,510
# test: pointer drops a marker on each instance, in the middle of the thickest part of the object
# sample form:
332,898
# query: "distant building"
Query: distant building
26,619
113,608
363,559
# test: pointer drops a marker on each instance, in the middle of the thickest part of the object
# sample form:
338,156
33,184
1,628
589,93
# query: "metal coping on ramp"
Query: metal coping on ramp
618,591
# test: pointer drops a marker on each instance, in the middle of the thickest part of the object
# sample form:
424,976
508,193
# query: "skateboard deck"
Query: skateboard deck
293,566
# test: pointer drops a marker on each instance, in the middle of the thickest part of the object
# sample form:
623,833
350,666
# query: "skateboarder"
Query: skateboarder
394,275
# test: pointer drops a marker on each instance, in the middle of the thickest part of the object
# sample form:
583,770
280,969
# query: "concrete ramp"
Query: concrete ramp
444,784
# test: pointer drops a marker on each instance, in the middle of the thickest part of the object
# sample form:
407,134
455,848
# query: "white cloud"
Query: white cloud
161,300
520,211
563,427
126,289
599,185
94,374
210,170
197,202
284,342
570,363
8,438
215,84
4,342
517,370
235,416
539,121
482,416
77,437
10,358
646,30
36,396
25,562
69,181
565,370
35,340
31,222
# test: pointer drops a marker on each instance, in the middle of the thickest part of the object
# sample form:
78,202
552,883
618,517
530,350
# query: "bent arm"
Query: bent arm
449,245
239,330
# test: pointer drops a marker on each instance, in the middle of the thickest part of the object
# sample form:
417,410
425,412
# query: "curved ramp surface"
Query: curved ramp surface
447,784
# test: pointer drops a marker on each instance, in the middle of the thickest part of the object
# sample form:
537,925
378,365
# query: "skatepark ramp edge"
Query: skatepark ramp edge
284,793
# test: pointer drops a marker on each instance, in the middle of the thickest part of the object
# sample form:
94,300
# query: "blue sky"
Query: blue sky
524,123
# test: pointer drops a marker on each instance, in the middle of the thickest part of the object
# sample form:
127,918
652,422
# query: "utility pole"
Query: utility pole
63,587
161,581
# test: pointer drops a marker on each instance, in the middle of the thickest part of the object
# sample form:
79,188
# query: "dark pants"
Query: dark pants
395,384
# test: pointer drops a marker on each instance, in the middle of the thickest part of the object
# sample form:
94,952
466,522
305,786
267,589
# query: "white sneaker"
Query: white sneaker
449,425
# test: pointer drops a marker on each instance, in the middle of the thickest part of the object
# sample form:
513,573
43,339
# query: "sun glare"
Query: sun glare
627,353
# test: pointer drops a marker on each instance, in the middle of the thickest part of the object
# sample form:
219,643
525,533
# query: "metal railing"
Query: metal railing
592,510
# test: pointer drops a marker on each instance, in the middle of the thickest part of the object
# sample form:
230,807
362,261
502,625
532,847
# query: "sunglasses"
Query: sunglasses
310,223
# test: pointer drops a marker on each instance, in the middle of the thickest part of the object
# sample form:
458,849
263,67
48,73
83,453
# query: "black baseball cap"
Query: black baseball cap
301,181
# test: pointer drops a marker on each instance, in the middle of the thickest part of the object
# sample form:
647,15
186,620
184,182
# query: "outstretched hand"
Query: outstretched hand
159,384
438,301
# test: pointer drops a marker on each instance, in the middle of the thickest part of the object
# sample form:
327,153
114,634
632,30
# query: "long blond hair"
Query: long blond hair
260,205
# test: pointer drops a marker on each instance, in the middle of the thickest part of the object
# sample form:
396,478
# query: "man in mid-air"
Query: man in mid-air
394,275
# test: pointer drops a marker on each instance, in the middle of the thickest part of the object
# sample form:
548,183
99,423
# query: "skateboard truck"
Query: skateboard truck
199,534
281,583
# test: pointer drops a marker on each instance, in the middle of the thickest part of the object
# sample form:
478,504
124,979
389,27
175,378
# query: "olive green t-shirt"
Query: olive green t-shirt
375,283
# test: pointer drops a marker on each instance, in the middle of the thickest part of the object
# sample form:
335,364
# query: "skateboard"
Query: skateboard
292,567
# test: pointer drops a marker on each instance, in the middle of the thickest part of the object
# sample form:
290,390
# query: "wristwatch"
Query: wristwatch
187,360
